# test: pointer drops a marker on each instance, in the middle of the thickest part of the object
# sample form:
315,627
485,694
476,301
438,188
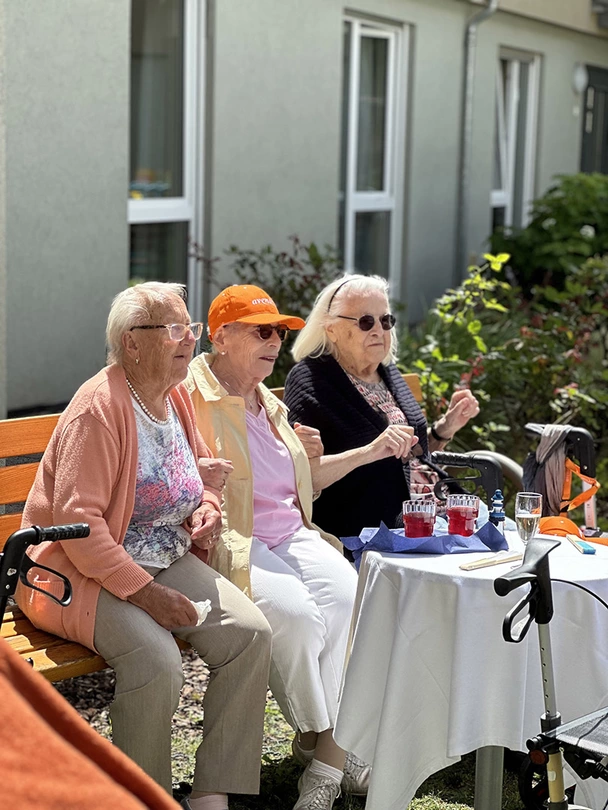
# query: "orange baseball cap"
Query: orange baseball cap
246,303
560,526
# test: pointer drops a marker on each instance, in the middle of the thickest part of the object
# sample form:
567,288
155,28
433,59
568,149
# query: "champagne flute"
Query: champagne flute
528,511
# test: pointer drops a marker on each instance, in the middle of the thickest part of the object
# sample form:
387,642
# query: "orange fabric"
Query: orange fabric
88,475
247,304
559,525
582,497
52,760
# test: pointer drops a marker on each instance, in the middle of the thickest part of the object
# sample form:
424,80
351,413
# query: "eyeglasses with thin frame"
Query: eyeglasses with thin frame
366,322
265,331
177,331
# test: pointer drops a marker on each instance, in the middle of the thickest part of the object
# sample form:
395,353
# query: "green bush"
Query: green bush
293,278
539,360
569,224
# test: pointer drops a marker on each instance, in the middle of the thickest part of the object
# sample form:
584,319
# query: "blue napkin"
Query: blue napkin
486,538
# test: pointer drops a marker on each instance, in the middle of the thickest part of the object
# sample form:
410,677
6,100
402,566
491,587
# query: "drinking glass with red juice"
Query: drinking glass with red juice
418,518
462,512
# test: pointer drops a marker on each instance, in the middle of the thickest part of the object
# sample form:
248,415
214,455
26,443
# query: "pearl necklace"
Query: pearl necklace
139,401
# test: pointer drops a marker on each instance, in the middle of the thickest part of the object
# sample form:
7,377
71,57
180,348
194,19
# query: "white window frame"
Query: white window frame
506,132
391,199
189,207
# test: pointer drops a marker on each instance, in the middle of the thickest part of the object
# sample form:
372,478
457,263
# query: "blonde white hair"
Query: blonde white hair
312,340
133,307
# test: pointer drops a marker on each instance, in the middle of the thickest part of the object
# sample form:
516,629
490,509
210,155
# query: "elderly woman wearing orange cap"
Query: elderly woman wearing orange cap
269,547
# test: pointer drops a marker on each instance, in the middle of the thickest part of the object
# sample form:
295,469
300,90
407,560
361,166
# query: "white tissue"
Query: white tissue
202,609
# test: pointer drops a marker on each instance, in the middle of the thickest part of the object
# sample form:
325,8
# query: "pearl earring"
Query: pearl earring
137,361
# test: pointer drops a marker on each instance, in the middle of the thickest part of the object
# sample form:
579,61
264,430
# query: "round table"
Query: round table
430,677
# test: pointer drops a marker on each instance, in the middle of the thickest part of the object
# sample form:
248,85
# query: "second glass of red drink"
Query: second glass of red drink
418,517
462,512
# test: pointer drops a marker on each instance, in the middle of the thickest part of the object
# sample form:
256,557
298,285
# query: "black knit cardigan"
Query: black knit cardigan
319,393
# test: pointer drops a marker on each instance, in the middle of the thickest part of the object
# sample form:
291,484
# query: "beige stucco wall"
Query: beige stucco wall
67,128
573,14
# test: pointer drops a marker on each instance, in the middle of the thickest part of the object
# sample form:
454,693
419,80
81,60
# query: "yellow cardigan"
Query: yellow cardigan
221,421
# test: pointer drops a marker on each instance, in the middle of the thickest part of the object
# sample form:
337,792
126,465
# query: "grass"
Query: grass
450,789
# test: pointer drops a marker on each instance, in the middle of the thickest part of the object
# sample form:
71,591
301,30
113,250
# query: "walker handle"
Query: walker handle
534,570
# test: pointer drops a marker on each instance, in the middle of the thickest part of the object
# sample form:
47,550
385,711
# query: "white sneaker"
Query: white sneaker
356,776
356,772
316,792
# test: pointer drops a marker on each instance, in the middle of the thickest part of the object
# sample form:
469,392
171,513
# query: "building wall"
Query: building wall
277,79
67,129
559,125
272,152
574,14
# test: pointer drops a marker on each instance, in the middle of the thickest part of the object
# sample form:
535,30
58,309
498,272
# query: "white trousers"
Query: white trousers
306,590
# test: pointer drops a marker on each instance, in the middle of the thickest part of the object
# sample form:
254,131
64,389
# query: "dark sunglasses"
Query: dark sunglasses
366,322
265,331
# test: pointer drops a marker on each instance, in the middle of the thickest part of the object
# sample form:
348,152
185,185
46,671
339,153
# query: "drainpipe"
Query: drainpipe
470,52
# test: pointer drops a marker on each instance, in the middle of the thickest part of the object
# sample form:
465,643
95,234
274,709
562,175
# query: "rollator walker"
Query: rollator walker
583,743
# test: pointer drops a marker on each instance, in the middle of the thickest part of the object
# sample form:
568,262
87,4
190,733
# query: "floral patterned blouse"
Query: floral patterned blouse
168,490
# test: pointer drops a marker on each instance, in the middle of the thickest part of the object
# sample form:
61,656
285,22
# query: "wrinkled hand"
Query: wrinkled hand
311,440
396,440
168,607
463,406
205,525
215,472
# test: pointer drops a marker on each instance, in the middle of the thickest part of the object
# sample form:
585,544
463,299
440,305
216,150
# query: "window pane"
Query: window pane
498,218
372,242
345,91
157,98
159,252
372,114
519,203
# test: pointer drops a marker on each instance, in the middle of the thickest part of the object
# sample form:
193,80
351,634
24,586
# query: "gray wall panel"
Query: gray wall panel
277,83
67,69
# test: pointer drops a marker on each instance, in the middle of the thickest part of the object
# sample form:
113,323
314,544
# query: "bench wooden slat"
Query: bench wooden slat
8,525
33,641
22,437
65,660
413,381
16,482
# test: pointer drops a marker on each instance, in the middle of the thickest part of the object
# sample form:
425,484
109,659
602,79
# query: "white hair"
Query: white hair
312,340
134,306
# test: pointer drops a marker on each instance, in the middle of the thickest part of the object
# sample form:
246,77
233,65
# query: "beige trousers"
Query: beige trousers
234,641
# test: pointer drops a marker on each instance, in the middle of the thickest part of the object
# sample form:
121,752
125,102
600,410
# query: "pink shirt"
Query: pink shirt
276,515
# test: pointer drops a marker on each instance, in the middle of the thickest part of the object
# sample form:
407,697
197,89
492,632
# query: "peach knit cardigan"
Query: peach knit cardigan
88,474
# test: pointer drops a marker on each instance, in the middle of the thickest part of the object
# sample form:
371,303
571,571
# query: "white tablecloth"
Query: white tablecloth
430,677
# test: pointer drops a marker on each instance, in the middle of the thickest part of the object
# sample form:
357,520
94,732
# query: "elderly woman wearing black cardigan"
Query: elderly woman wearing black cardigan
346,385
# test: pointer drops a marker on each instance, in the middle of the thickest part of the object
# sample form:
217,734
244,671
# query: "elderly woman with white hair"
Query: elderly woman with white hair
346,385
269,547
126,457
